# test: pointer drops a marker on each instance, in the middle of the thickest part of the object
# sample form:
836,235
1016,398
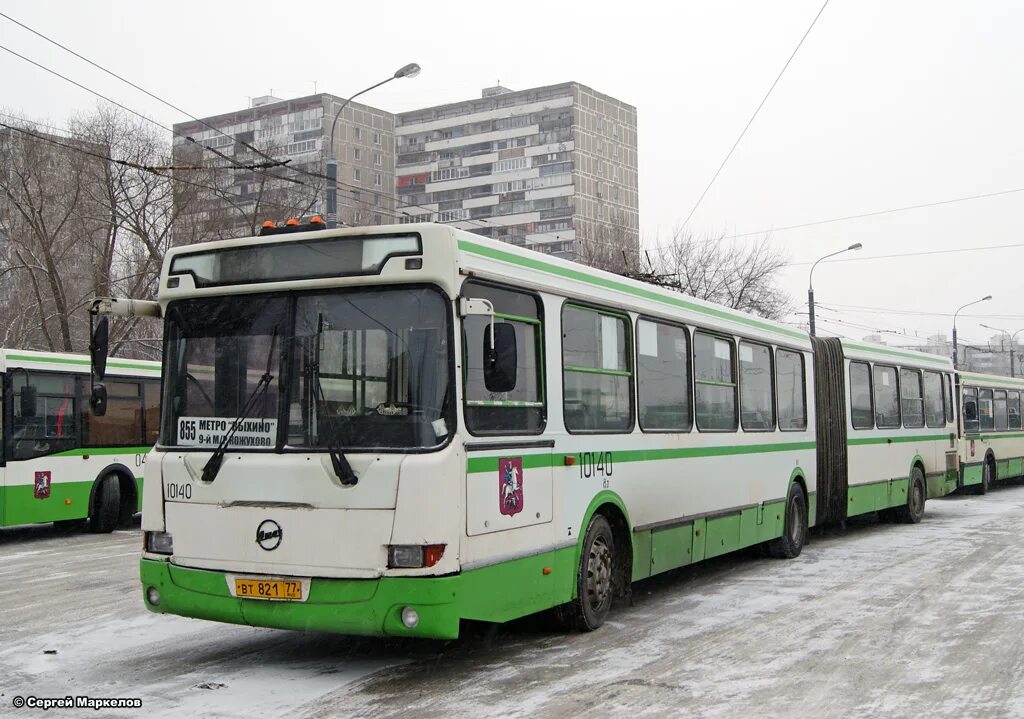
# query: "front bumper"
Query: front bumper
369,607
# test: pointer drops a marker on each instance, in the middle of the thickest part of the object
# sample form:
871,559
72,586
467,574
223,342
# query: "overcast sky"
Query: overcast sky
887,104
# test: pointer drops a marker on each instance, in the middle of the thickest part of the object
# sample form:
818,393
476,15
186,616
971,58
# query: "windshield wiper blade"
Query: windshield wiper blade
212,466
342,469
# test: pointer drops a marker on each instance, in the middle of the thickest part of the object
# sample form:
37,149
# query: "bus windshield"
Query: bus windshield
352,369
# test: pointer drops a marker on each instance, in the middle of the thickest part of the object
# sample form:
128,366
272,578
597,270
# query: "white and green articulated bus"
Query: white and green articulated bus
59,462
390,430
992,446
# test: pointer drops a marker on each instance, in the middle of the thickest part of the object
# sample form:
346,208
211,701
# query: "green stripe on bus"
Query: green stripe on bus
986,435
933,359
897,440
155,367
574,274
102,450
532,461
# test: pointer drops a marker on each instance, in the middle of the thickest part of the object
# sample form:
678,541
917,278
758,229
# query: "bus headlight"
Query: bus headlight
153,596
159,543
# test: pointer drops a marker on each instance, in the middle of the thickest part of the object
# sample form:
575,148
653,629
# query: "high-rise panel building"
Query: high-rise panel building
551,168
296,132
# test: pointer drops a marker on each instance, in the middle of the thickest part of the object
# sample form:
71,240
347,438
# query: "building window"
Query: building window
378,159
357,133
376,180
357,154
663,381
356,174
376,138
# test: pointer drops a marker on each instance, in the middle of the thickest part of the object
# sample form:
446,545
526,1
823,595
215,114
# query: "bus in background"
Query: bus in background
58,462
390,430
886,430
992,446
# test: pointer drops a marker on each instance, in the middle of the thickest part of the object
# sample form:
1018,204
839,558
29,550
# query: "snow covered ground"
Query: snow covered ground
874,620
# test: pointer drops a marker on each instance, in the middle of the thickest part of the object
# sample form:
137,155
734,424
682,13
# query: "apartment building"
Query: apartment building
295,132
551,168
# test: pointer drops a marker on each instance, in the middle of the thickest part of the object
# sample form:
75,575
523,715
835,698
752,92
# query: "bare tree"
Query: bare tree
232,198
46,219
741,277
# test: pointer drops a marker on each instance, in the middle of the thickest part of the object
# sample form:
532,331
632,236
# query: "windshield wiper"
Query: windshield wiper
342,469
212,466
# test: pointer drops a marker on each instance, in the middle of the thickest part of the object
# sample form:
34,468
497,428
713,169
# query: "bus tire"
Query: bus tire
106,505
988,476
794,533
594,579
917,493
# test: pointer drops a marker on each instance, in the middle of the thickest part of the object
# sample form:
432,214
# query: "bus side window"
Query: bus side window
513,403
971,422
862,413
1013,409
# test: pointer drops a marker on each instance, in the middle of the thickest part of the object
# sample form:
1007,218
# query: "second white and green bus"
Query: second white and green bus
992,446
59,462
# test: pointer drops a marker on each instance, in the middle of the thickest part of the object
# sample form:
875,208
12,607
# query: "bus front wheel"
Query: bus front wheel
594,580
106,505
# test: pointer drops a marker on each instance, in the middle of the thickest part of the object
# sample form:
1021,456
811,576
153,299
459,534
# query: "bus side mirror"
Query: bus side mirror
98,399
98,347
500,361
28,401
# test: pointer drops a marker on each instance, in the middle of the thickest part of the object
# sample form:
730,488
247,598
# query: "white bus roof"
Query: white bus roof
888,355
992,380
66,362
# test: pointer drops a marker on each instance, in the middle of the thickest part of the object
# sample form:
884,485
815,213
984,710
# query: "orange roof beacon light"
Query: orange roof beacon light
268,224
292,221
316,220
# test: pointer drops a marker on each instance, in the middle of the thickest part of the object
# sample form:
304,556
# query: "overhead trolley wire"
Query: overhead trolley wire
756,111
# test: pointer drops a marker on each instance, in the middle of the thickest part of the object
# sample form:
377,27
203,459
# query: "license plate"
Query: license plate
268,589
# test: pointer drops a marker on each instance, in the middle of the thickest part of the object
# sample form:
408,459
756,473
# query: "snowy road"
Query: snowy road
877,620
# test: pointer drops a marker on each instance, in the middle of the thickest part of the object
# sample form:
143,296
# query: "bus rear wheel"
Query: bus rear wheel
106,505
794,534
594,579
913,511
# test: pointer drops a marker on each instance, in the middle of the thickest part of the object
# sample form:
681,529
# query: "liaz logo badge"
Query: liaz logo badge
42,485
269,535
510,485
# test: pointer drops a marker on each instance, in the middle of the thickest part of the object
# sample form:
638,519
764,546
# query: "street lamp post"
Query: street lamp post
810,283
983,299
410,70
1013,343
